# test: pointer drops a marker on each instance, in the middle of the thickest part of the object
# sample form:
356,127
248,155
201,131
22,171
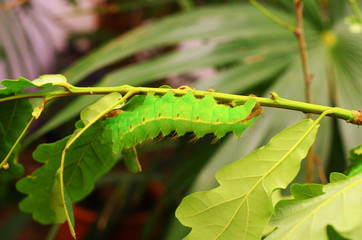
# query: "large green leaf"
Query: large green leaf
14,116
339,206
86,160
88,117
240,207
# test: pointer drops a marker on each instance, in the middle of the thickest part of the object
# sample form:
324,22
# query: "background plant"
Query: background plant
248,53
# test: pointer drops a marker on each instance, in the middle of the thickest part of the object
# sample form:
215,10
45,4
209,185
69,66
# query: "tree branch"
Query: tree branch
299,33
351,116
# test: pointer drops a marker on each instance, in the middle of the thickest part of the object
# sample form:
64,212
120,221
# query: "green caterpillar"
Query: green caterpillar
180,114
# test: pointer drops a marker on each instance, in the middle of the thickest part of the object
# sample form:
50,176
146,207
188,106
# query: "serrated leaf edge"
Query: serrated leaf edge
322,205
263,177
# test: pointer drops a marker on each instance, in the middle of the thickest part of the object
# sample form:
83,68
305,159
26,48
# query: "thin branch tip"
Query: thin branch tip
274,96
357,117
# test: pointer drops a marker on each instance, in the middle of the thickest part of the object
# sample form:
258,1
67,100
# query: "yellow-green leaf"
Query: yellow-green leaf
241,206
339,206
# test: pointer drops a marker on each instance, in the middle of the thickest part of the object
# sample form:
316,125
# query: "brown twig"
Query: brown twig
320,170
299,33
310,165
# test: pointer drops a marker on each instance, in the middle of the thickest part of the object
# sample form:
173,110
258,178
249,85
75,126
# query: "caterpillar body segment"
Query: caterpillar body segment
163,115
182,112
148,117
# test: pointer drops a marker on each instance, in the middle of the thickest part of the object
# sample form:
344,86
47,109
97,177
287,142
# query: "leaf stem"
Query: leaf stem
271,16
53,231
4,164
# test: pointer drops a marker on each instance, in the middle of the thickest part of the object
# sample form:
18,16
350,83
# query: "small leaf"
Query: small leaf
300,191
355,156
14,86
339,206
241,206
336,176
86,160
45,80
93,111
